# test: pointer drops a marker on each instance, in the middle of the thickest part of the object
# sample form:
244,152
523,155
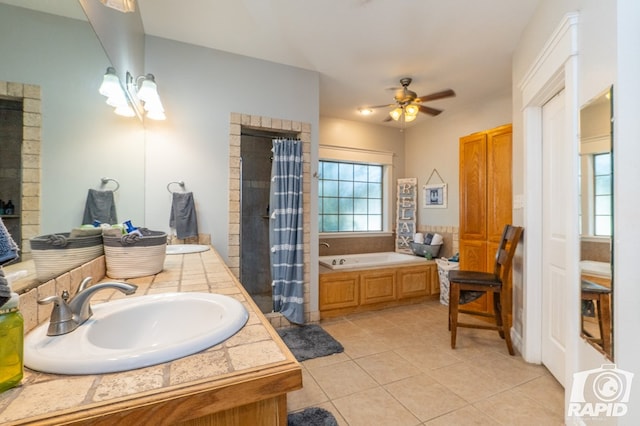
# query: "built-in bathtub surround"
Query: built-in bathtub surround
29,210
598,250
356,244
303,130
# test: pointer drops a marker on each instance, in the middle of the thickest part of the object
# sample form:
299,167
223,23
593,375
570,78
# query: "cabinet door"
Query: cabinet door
473,255
435,280
376,287
499,192
414,282
338,291
473,187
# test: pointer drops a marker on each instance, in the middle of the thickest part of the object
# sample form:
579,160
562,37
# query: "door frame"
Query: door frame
555,68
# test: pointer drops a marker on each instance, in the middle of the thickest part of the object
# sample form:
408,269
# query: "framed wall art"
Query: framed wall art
435,195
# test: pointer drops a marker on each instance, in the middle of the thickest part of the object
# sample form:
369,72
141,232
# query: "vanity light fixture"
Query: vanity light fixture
148,94
120,5
144,96
113,91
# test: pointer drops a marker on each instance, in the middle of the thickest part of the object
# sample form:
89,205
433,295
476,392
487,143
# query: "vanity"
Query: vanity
243,380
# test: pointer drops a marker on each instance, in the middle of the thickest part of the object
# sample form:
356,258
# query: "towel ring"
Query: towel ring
181,183
106,180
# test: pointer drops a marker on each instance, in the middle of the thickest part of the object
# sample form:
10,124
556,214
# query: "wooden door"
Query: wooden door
499,192
556,180
473,187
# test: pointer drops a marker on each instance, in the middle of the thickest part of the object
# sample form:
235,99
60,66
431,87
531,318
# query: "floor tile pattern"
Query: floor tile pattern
398,369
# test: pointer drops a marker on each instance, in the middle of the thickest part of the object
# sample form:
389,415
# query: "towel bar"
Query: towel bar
181,183
106,180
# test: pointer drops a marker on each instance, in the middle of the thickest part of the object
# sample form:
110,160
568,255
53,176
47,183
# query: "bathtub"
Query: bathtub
593,268
369,260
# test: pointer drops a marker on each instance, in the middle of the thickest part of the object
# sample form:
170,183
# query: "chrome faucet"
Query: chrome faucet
324,243
67,316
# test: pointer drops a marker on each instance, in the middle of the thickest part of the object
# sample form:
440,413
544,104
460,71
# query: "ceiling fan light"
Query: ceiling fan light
411,110
396,113
409,118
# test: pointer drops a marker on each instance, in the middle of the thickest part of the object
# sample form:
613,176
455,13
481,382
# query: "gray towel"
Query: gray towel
5,290
8,247
100,206
183,215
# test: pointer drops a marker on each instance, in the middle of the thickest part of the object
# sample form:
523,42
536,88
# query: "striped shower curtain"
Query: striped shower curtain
285,230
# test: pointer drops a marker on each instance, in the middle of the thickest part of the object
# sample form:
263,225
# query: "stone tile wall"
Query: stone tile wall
29,211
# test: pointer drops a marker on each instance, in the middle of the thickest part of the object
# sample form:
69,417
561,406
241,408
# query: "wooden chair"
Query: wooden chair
467,286
601,296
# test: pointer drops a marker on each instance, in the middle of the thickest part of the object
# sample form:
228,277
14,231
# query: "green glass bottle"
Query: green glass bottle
11,344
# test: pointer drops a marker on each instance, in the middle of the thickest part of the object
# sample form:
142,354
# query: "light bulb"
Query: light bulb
396,113
411,110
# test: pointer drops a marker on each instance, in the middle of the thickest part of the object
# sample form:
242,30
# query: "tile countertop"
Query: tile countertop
183,389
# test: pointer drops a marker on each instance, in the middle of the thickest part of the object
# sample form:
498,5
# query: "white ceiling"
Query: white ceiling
360,48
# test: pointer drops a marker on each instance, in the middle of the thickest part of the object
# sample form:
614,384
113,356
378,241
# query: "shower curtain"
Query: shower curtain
285,230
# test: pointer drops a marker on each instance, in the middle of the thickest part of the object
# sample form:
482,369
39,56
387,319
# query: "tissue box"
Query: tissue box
423,249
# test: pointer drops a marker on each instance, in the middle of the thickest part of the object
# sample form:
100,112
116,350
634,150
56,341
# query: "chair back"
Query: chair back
504,255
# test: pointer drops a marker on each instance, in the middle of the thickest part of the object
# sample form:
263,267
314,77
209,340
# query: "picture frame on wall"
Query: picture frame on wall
435,196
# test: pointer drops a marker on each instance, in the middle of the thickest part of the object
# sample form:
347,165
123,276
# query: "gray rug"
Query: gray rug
313,416
309,341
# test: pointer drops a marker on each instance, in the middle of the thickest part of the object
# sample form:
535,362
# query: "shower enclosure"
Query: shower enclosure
255,183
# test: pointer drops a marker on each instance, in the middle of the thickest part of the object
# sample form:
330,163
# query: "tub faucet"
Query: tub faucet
67,316
324,243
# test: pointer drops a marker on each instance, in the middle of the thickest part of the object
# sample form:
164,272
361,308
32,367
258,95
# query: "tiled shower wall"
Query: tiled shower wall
303,130
29,209
354,245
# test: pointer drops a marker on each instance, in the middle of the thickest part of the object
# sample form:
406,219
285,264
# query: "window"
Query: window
602,194
350,197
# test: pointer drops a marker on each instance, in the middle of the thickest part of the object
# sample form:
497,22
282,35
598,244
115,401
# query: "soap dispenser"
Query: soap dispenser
11,342
9,208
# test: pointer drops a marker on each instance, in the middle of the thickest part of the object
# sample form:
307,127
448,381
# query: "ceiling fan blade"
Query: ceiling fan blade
429,110
387,119
438,95
381,106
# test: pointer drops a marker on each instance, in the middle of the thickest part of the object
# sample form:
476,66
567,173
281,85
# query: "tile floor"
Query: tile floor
398,369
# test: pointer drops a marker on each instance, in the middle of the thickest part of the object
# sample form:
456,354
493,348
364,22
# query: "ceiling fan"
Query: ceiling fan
408,103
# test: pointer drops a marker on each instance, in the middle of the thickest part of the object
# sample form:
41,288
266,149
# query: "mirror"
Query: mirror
52,46
596,222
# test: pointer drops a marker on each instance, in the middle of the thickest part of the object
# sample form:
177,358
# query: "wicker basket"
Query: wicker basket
132,256
425,250
56,254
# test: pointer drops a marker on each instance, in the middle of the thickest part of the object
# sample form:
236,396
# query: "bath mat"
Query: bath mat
313,416
309,341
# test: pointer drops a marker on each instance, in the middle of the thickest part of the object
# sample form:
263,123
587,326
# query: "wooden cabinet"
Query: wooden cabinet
415,282
377,287
344,292
485,200
339,291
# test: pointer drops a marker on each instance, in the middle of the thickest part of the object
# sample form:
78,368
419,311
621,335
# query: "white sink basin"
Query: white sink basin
137,332
186,248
